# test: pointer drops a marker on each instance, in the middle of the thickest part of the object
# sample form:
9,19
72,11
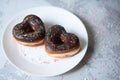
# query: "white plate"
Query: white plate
47,66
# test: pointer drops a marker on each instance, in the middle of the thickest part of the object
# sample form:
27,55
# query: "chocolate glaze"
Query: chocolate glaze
30,30
57,39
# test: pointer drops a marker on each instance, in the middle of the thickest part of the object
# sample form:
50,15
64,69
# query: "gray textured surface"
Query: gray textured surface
102,20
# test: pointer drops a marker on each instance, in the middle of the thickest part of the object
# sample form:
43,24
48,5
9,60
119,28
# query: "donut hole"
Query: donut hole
64,37
60,39
57,40
28,28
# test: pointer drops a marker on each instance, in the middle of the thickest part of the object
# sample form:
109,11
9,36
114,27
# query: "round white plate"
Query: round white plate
44,65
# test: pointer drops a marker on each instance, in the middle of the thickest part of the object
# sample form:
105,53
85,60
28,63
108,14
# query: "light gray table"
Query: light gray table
102,20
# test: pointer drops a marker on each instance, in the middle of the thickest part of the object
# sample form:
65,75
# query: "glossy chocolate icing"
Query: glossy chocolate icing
30,30
57,39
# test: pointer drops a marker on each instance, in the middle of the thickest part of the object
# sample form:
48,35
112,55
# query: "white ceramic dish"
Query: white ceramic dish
48,66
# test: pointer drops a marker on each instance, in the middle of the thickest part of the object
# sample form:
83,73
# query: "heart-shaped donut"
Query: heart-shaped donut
30,31
59,43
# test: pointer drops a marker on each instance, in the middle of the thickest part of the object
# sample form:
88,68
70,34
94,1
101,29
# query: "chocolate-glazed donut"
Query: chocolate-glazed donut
30,32
59,43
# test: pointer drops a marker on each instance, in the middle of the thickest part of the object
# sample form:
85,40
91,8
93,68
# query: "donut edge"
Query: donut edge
63,54
31,43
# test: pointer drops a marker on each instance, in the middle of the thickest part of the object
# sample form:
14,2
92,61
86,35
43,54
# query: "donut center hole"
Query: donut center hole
60,39
57,40
28,29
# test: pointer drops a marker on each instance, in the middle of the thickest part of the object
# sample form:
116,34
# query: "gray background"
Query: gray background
102,21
